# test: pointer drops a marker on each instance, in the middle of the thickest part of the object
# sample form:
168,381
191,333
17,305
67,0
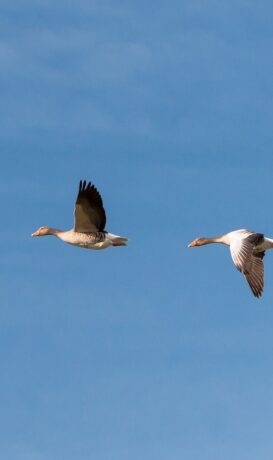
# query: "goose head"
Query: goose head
197,242
42,231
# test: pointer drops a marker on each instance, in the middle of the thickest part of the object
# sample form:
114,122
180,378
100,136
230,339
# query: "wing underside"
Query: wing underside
248,262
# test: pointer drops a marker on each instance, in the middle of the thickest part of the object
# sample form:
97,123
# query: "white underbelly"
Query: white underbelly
88,245
102,245
84,241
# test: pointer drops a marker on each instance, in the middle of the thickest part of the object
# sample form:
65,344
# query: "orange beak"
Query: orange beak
192,244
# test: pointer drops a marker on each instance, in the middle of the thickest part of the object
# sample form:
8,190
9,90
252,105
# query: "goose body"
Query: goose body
89,223
247,250
98,240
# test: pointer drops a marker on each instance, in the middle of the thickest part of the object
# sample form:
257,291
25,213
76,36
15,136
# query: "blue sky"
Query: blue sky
153,351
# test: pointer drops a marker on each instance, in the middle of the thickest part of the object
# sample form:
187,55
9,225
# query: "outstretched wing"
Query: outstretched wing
249,263
89,214
255,276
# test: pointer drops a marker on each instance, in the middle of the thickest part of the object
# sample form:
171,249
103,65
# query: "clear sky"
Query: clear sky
154,351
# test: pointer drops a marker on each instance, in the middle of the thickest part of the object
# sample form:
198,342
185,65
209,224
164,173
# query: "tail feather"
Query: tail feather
118,240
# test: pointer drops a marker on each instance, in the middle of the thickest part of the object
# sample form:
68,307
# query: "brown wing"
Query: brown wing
89,214
251,265
255,275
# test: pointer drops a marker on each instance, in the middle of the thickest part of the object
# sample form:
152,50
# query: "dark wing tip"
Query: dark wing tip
257,293
84,185
89,187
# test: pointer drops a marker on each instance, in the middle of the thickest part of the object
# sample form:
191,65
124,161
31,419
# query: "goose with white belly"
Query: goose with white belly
89,223
247,252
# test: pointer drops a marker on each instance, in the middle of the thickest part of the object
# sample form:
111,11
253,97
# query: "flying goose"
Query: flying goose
247,252
89,223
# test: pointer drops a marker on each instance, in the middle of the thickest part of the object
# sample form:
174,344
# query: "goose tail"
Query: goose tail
117,240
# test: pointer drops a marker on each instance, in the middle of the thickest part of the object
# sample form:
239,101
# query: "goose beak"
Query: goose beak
35,233
192,244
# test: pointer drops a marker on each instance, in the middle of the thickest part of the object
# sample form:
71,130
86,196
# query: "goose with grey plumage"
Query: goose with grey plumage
89,223
247,252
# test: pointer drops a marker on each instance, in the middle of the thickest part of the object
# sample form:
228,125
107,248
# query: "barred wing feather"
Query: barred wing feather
249,263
